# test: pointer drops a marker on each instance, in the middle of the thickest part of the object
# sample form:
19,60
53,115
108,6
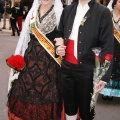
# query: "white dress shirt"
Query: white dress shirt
80,13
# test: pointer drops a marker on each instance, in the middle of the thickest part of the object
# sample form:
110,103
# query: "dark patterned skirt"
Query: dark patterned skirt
36,94
113,87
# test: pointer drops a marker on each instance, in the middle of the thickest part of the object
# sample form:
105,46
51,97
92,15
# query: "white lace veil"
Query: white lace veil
25,36
110,5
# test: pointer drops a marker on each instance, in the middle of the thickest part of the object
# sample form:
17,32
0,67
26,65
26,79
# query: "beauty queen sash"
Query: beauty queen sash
116,34
43,40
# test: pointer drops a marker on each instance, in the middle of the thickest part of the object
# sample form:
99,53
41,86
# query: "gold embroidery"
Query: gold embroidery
83,21
116,34
46,44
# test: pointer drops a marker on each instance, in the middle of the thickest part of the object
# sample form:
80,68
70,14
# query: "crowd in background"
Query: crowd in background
14,14
17,13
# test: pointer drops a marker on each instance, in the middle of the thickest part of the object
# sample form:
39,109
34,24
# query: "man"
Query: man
84,25
6,14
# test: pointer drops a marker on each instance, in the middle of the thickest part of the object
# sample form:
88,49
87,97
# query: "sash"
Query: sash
43,40
116,34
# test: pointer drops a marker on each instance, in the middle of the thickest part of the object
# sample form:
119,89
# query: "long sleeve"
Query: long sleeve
106,39
60,31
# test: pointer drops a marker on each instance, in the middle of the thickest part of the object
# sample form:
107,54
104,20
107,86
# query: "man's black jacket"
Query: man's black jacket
97,31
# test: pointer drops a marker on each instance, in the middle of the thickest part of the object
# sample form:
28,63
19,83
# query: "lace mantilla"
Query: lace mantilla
48,23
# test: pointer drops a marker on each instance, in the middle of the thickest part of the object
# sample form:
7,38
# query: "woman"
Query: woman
13,18
113,87
36,94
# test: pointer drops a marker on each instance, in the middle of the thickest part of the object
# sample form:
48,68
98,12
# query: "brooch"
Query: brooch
83,21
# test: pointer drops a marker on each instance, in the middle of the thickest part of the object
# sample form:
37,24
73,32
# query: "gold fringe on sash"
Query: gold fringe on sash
116,34
46,43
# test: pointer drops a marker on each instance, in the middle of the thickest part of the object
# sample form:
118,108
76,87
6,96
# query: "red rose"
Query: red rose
108,57
16,62
98,58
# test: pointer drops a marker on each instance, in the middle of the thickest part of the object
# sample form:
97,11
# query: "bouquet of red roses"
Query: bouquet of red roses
16,62
99,71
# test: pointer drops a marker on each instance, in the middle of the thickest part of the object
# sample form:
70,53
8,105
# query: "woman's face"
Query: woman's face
117,6
46,2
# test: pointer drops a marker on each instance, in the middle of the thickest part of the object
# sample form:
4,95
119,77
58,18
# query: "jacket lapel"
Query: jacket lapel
71,17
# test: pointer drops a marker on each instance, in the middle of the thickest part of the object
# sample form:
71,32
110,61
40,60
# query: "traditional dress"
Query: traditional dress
83,28
113,87
36,94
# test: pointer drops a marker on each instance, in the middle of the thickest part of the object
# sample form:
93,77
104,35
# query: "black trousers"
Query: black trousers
14,26
77,86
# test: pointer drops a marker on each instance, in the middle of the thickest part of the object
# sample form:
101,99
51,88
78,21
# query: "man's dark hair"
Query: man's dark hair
114,3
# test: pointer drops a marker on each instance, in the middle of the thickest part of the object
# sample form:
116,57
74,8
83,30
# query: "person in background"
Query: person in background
26,12
20,15
112,89
1,11
7,12
84,25
13,18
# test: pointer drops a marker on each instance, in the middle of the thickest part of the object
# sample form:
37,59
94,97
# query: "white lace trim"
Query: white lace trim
48,24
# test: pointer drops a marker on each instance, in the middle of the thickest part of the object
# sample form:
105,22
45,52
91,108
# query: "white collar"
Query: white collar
86,5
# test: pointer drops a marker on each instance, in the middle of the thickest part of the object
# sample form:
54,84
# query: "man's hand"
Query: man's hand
99,86
61,50
59,41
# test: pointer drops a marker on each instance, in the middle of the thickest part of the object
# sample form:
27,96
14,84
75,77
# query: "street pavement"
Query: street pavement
7,47
105,110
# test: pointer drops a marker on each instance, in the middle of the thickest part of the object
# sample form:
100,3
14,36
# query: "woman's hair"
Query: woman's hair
114,3
16,4
75,0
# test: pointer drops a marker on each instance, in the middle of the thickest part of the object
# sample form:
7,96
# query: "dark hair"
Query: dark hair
114,3
75,0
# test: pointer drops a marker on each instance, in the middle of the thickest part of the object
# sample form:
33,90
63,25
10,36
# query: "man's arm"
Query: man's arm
106,42
59,40
60,30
